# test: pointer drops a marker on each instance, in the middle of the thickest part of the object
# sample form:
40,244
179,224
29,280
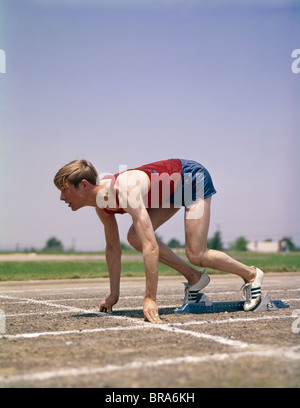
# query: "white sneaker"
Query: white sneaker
191,292
252,291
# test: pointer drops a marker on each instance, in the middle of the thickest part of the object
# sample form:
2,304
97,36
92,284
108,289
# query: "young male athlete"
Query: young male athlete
151,195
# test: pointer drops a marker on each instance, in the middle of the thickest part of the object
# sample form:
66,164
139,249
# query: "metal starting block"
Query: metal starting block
203,305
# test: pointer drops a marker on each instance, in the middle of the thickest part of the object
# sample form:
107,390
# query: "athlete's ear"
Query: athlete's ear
85,184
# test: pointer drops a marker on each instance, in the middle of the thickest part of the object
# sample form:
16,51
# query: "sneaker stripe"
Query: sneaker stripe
191,292
255,293
192,296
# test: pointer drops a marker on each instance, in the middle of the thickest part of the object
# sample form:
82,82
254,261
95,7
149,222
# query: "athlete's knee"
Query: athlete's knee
197,258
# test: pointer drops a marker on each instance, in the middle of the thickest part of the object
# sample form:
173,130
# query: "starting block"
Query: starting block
203,305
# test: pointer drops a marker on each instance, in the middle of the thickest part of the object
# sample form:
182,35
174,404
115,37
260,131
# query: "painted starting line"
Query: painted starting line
247,349
71,309
167,327
171,327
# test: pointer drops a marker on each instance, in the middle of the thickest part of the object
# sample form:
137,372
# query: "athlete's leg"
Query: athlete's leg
158,217
197,218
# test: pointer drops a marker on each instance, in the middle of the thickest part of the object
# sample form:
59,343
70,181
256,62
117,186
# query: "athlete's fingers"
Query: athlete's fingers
152,317
105,308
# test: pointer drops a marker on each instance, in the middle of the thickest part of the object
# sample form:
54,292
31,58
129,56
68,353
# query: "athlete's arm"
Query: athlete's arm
145,233
131,190
113,259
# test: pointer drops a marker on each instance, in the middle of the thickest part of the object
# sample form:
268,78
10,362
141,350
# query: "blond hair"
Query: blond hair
75,172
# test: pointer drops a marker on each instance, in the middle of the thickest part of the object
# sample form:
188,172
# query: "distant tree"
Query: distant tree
215,242
240,244
174,243
53,245
290,244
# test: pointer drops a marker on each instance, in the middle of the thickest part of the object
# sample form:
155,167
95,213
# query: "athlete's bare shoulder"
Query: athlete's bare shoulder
133,179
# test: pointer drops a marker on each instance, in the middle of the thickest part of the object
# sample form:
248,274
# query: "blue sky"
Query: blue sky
126,83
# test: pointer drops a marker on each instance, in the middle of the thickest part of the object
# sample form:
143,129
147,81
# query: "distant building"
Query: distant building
267,246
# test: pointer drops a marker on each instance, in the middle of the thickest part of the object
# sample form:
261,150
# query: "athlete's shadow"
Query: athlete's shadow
138,313
135,313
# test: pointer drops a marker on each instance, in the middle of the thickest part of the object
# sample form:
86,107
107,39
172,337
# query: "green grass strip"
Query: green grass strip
22,271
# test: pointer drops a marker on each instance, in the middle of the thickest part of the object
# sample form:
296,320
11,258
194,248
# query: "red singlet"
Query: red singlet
165,176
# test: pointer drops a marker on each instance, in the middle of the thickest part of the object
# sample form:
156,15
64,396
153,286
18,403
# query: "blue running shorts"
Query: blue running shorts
196,183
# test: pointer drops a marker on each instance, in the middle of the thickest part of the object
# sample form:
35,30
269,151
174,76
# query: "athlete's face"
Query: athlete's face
75,197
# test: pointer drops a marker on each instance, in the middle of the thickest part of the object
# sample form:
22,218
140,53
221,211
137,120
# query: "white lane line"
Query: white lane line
143,324
284,354
68,332
204,336
192,323
255,348
165,327
69,308
45,303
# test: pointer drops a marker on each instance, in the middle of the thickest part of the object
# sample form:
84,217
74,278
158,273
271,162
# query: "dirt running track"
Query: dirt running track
53,337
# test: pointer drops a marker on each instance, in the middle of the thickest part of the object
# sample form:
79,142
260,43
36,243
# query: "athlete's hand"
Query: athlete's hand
151,311
107,304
